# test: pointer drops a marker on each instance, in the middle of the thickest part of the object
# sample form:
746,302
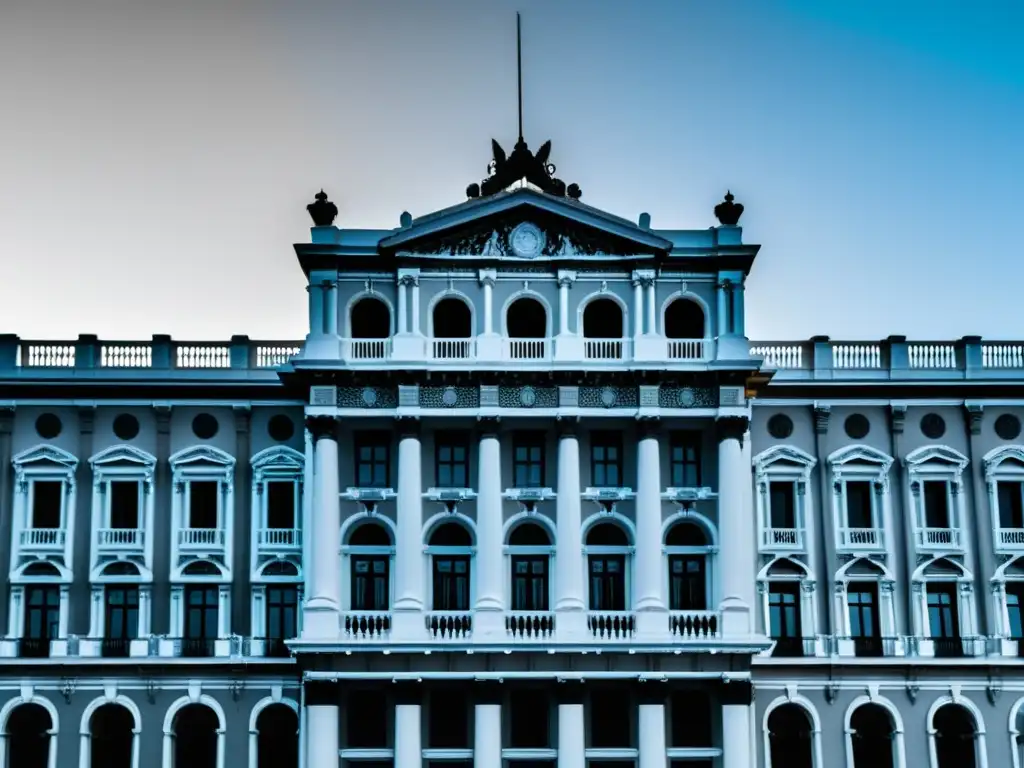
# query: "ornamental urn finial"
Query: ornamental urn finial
728,213
323,211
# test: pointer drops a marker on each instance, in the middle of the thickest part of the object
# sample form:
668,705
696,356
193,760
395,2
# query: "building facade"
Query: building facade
525,495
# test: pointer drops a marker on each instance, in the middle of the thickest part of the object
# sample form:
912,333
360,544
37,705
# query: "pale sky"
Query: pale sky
156,158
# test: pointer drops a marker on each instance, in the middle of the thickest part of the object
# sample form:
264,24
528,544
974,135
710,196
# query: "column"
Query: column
565,280
652,325
414,285
323,581
321,732
723,320
408,726
737,736
489,561
638,305
487,279
403,313
736,526
651,731
648,600
569,603
571,731
487,736
406,619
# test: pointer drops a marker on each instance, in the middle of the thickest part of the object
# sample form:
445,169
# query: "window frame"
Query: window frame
529,440
684,439
784,463
861,464
373,439
452,440
605,439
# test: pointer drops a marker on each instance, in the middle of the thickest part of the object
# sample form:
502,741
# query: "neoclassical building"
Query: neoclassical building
526,495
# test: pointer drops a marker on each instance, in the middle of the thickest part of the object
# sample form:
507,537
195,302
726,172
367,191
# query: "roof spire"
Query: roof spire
519,69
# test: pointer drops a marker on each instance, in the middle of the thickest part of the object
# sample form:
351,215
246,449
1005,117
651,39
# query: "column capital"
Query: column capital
408,276
648,427
731,428
566,428
644,277
487,426
322,426
566,278
321,693
487,277
407,426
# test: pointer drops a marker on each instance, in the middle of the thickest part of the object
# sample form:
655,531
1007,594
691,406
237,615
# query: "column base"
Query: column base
408,627
571,627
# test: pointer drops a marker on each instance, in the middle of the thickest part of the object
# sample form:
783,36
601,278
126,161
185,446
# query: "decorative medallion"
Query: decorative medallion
526,240
449,397
686,397
608,397
528,397
369,395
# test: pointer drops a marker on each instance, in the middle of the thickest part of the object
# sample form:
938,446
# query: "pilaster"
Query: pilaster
79,524
161,596
649,600
323,579
240,569
407,621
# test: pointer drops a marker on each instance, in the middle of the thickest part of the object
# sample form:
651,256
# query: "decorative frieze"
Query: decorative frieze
687,397
449,397
608,397
367,397
527,397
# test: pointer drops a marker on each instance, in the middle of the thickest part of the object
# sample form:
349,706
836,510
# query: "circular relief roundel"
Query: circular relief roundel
857,426
205,426
449,397
280,428
933,426
48,426
126,426
780,426
526,240
1008,427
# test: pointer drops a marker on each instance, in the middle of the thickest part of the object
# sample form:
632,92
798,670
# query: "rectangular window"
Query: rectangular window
687,583
281,504
46,503
782,501
943,621
370,582
121,619
366,720
784,619
529,583
936,504
201,607
528,460
684,456
862,599
691,720
1011,505
606,459
373,459
124,504
42,620
529,720
611,719
607,582
858,504
282,613
451,458
451,583
1014,605
450,720
203,498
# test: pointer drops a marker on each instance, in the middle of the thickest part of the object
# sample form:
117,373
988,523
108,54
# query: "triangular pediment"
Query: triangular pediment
524,225
122,454
45,453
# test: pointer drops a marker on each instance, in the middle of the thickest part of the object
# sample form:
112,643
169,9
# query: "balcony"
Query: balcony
366,626
694,626
611,625
201,540
121,541
366,349
527,349
530,626
451,349
1009,539
795,647
606,349
272,541
449,625
939,539
43,540
861,539
782,539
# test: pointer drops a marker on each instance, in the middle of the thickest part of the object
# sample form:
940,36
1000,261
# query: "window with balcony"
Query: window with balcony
935,477
687,548
203,504
450,546
277,474
370,566
684,328
1004,476
604,329
530,571
47,503
452,329
606,460
860,511
125,497
607,552
281,504
784,618
860,498
1014,608
944,619
528,459
526,329
1011,504
120,619
370,319
451,459
862,600
684,459
372,459
282,617
783,502
42,619
936,504
202,607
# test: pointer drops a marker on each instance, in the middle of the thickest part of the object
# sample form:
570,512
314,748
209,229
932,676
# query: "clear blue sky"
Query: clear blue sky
157,157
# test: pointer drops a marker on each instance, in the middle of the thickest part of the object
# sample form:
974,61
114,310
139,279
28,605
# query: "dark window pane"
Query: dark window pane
281,504
606,459
691,719
530,719
367,720
611,719
46,500
529,583
528,460
783,504
373,459
203,503
124,504
936,504
449,720
685,460
858,504
370,582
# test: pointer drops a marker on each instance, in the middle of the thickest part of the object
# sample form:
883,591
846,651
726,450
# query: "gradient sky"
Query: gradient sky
156,157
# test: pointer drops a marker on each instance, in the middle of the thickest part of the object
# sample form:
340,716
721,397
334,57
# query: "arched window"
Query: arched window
450,548
603,329
607,566
195,737
452,330
526,325
370,550
947,609
872,737
530,554
28,737
956,739
277,739
789,737
110,737
689,582
684,322
788,607
370,319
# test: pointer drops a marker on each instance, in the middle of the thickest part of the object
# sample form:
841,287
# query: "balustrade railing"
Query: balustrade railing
120,539
693,625
605,349
687,349
861,538
452,349
611,625
527,349
366,349
1010,538
941,538
530,625
782,538
366,625
449,625
279,538
201,538
43,538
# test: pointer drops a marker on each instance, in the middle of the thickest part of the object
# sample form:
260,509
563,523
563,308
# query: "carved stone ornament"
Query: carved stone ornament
527,240
321,426
731,428
821,416
527,397
323,211
728,212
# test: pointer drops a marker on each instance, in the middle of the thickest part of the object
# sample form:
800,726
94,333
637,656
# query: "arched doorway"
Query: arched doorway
277,737
872,737
28,737
526,326
369,327
110,737
789,735
603,329
955,737
195,737
452,329
684,328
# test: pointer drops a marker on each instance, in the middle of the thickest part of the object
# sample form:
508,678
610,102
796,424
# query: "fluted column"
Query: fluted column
651,733
409,575
569,603
323,579
321,732
489,559
736,526
648,600
572,741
